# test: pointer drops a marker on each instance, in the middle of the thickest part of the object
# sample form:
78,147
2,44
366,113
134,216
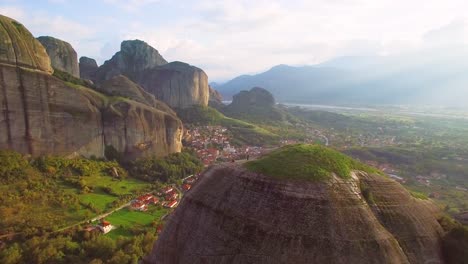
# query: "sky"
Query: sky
227,38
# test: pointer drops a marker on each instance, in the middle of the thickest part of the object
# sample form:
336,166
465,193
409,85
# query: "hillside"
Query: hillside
235,215
430,77
243,132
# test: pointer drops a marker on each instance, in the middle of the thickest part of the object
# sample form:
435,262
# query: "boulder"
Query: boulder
62,55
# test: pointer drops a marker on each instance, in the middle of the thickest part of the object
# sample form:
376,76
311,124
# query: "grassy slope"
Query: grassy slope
306,162
125,219
243,131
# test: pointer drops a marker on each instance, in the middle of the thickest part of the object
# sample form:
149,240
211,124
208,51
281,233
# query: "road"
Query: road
324,138
94,218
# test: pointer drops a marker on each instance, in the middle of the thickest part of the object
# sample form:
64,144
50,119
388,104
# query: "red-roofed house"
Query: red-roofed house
167,189
139,206
105,226
171,195
172,204
186,187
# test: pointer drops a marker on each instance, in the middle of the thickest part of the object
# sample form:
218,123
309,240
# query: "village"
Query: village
213,143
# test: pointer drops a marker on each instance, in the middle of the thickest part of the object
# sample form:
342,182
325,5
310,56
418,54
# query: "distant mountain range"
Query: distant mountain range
436,77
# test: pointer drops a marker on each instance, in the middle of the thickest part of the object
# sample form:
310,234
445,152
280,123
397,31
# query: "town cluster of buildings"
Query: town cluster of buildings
212,143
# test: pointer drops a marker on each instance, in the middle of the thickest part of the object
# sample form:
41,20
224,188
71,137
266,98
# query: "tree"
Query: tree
11,255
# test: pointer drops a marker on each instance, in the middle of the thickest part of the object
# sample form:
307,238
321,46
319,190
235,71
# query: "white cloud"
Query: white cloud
130,5
12,11
230,37
452,33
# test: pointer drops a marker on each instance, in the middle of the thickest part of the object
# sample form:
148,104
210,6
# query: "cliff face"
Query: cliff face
62,55
236,216
44,115
134,57
88,68
177,84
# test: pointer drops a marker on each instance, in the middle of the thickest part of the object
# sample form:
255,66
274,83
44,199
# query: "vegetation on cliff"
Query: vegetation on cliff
306,162
68,78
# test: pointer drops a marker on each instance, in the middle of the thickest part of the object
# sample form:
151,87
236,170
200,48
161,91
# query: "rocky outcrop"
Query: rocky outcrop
134,57
236,216
178,84
62,55
257,96
215,98
19,47
88,68
124,87
256,105
45,115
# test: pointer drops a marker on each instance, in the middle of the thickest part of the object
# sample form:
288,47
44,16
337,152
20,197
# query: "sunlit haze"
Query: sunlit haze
229,38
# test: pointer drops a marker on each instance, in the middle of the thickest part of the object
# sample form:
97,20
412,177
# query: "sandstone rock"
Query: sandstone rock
18,47
88,68
122,86
62,55
139,130
178,84
134,57
236,216
45,115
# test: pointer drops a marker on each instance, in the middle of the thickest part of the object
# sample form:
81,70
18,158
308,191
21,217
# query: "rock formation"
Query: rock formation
215,99
256,105
177,84
120,85
134,57
17,45
88,68
62,55
256,96
44,115
234,215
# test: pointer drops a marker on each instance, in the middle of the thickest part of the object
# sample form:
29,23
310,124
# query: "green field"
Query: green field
126,220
